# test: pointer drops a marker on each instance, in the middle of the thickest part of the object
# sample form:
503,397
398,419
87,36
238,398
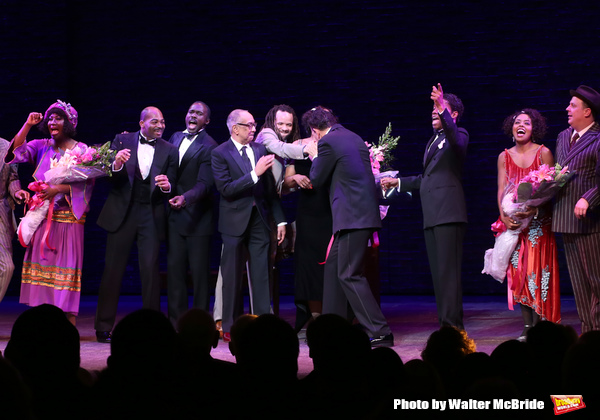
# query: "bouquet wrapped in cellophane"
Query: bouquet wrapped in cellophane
78,164
535,189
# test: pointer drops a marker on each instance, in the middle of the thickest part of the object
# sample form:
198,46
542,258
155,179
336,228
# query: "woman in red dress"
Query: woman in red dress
533,270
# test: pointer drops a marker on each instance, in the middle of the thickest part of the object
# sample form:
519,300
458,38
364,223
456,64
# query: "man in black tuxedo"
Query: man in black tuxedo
343,166
443,202
241,170
144,172
191,214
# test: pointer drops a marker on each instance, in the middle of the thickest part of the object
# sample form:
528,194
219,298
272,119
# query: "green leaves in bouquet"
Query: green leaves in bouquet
386,144
562,178
104,157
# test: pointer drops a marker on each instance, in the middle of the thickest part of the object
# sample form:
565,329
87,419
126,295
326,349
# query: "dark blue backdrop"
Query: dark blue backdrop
372,62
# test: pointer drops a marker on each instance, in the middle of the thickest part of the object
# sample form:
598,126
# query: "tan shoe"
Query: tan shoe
220,328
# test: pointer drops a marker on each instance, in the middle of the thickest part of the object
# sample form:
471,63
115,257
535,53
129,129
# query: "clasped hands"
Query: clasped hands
388,183
514,222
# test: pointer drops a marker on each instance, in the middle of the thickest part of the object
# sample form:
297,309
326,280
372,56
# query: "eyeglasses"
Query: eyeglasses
249,125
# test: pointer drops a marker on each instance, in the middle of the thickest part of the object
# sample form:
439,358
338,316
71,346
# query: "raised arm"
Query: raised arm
33,119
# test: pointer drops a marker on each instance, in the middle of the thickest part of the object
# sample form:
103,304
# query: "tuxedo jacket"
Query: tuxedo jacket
343,166
239,192
117,203
195,182
582,159
440,185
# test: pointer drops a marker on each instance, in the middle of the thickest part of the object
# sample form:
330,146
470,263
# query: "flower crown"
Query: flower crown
69,110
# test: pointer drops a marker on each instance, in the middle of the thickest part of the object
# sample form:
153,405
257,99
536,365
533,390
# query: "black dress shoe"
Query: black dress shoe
103,336
382,341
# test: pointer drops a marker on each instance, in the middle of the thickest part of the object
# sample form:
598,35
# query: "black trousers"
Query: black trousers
345,283
445,249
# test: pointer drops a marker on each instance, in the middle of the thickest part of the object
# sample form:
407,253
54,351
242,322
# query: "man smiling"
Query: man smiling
576,213
144,171
277,134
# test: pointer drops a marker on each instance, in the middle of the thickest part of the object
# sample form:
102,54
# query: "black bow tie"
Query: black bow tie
151,142
190,136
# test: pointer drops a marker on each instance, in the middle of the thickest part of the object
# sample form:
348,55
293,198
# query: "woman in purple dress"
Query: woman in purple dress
52,266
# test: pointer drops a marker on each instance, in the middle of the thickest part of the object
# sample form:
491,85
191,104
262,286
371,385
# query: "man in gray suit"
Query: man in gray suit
576,211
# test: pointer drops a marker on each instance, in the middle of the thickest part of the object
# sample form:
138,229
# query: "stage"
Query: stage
412,319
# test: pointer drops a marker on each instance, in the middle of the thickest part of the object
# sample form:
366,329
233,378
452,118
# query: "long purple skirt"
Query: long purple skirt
54,276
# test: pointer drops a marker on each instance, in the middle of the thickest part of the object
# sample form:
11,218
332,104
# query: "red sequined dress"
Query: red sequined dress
533,270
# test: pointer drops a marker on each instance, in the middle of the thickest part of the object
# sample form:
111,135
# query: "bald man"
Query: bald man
144,172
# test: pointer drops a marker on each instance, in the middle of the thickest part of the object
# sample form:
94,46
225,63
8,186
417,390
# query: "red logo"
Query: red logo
567,403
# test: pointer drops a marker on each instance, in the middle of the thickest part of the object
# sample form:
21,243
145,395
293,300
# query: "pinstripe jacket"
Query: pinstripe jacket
9,185
581,158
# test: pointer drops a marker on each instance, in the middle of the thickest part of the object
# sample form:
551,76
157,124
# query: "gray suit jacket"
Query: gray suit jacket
581,158
282,151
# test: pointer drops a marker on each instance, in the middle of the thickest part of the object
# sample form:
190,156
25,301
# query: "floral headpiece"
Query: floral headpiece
69,110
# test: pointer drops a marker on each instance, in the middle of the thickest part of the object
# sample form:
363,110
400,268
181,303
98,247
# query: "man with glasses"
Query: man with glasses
242,174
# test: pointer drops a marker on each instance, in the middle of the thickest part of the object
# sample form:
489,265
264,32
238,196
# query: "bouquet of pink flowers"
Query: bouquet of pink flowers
535,189
81,163
78,164
381,153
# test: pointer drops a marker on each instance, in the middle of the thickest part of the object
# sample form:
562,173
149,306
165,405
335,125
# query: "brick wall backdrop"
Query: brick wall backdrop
372,62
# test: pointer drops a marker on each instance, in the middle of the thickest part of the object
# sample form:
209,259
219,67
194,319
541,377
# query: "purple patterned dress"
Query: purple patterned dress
52,274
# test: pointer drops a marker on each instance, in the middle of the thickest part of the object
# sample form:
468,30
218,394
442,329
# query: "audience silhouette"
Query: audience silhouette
156,372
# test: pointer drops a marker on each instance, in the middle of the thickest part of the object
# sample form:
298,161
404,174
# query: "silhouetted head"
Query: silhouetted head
44,343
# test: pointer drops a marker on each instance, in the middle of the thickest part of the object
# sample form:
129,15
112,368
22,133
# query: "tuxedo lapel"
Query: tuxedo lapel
191,152
131,143
177,139
431,147
160,157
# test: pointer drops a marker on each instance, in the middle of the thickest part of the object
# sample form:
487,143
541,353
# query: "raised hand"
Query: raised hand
162,181
437,96
34,118
122,156
264,163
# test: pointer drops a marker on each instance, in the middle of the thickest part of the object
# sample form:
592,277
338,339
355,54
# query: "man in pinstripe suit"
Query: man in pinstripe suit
577,207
